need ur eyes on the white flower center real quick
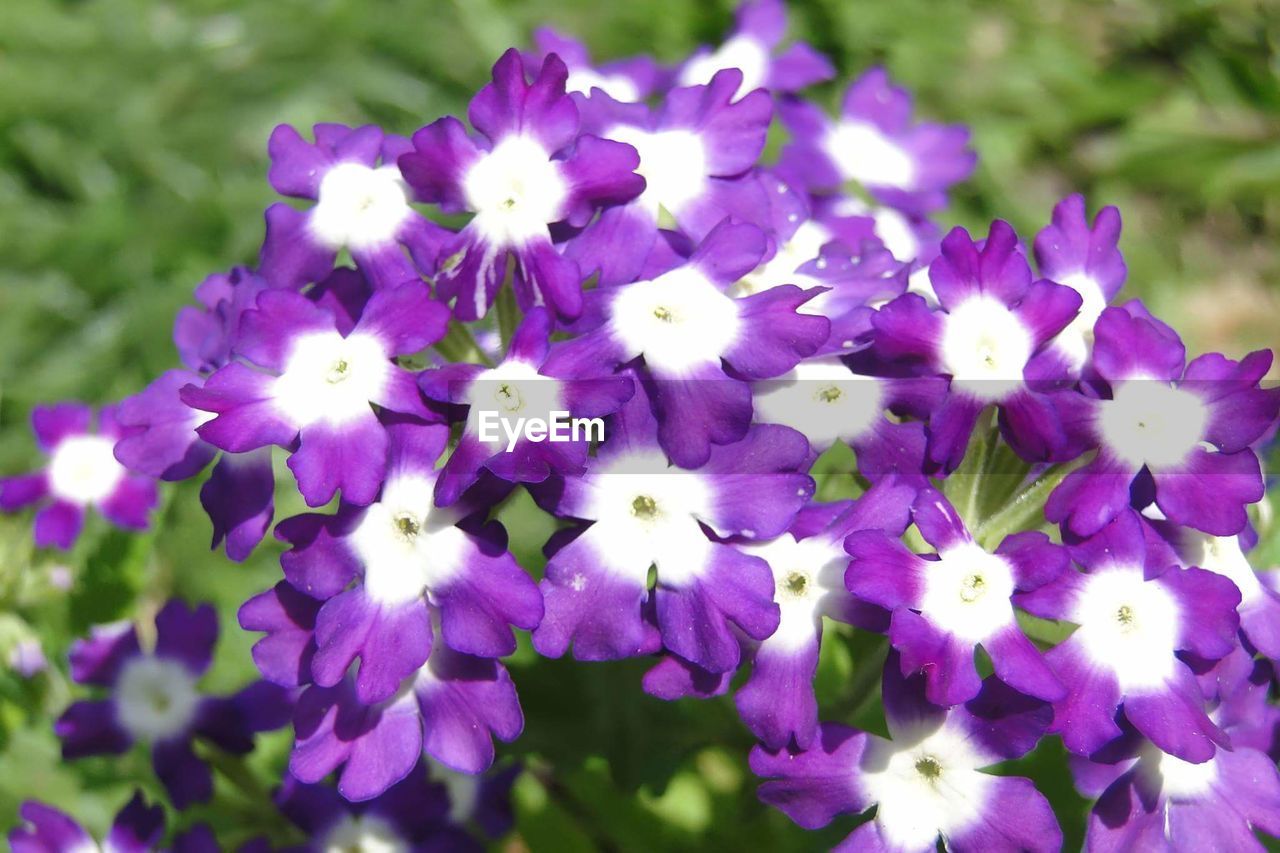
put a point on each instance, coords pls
(616, 86)
(405, 543)
(516, 190)
(678, 321)
(1223, 555)
(331, 378)
(155, 698)
(864, 154)
(806, 575)
(985, 348)
(1128, 626)
(84, 469)
(893, 228)
(741, 52)
(804, 246)
(359, 206)
(967, 593)
(513, 390)
(672, 162)
(365, 833)
(648, 514)
(1180, 780)
(925, 783)
(823, 399)
(1076, 340)
(463, 788)
(1153, 423)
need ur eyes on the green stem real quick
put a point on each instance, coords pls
(459, 346)
(508, 314)
(1026, 509)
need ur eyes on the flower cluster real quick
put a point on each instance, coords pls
(1026, 456)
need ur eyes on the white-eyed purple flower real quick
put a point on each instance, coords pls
(81, 472)
(412, 814)
(991, 323)
(317, 380)
(691, 333)
(759, 27)
(385, 570)
(137, 828)
(361, 205)
(947, 604)
(161, 440)
(697, 152)
(530, 169)
(927, 781)
(1153, 800)
(808, 563)
(1180, 433)
(1087, 259)
(625, 80)
(1136, 610)
(154, 698)
(643, 512)
(875, 143)
(450, 709)
(497, 398)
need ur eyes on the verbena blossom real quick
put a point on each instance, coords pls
(317, 377)
(162, 441)
(137, 828)
(690, 332)
(926, 781)
(531, 169)
(642, 511)
(731, 318)
(153, 697)
(1178, 433)
(82, 472)
(991, 324)
(947, 604)
(1136, 610)
(759, 26)
(362, 205)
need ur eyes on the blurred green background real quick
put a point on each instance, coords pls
(132, 164)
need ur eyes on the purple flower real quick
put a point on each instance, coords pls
(26, 657)
(411, 814)
(82, 472)
(991, 323)
(625, 80)
(1225, 555)
(1175, 433)
(759, 29)
(643, 512)
(687, 330)
(874, 142)
(154, 699)
(498, 397)
(137, 828)
(411, 561)
(1087, 259)
(808, 563)
(697, 152)
(316, 383)
(1158, 801)
(451, 709)
(161, 439)
(530, 170)
(1138, 615)
(361, 205)
(946, 605)
(927, 780)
